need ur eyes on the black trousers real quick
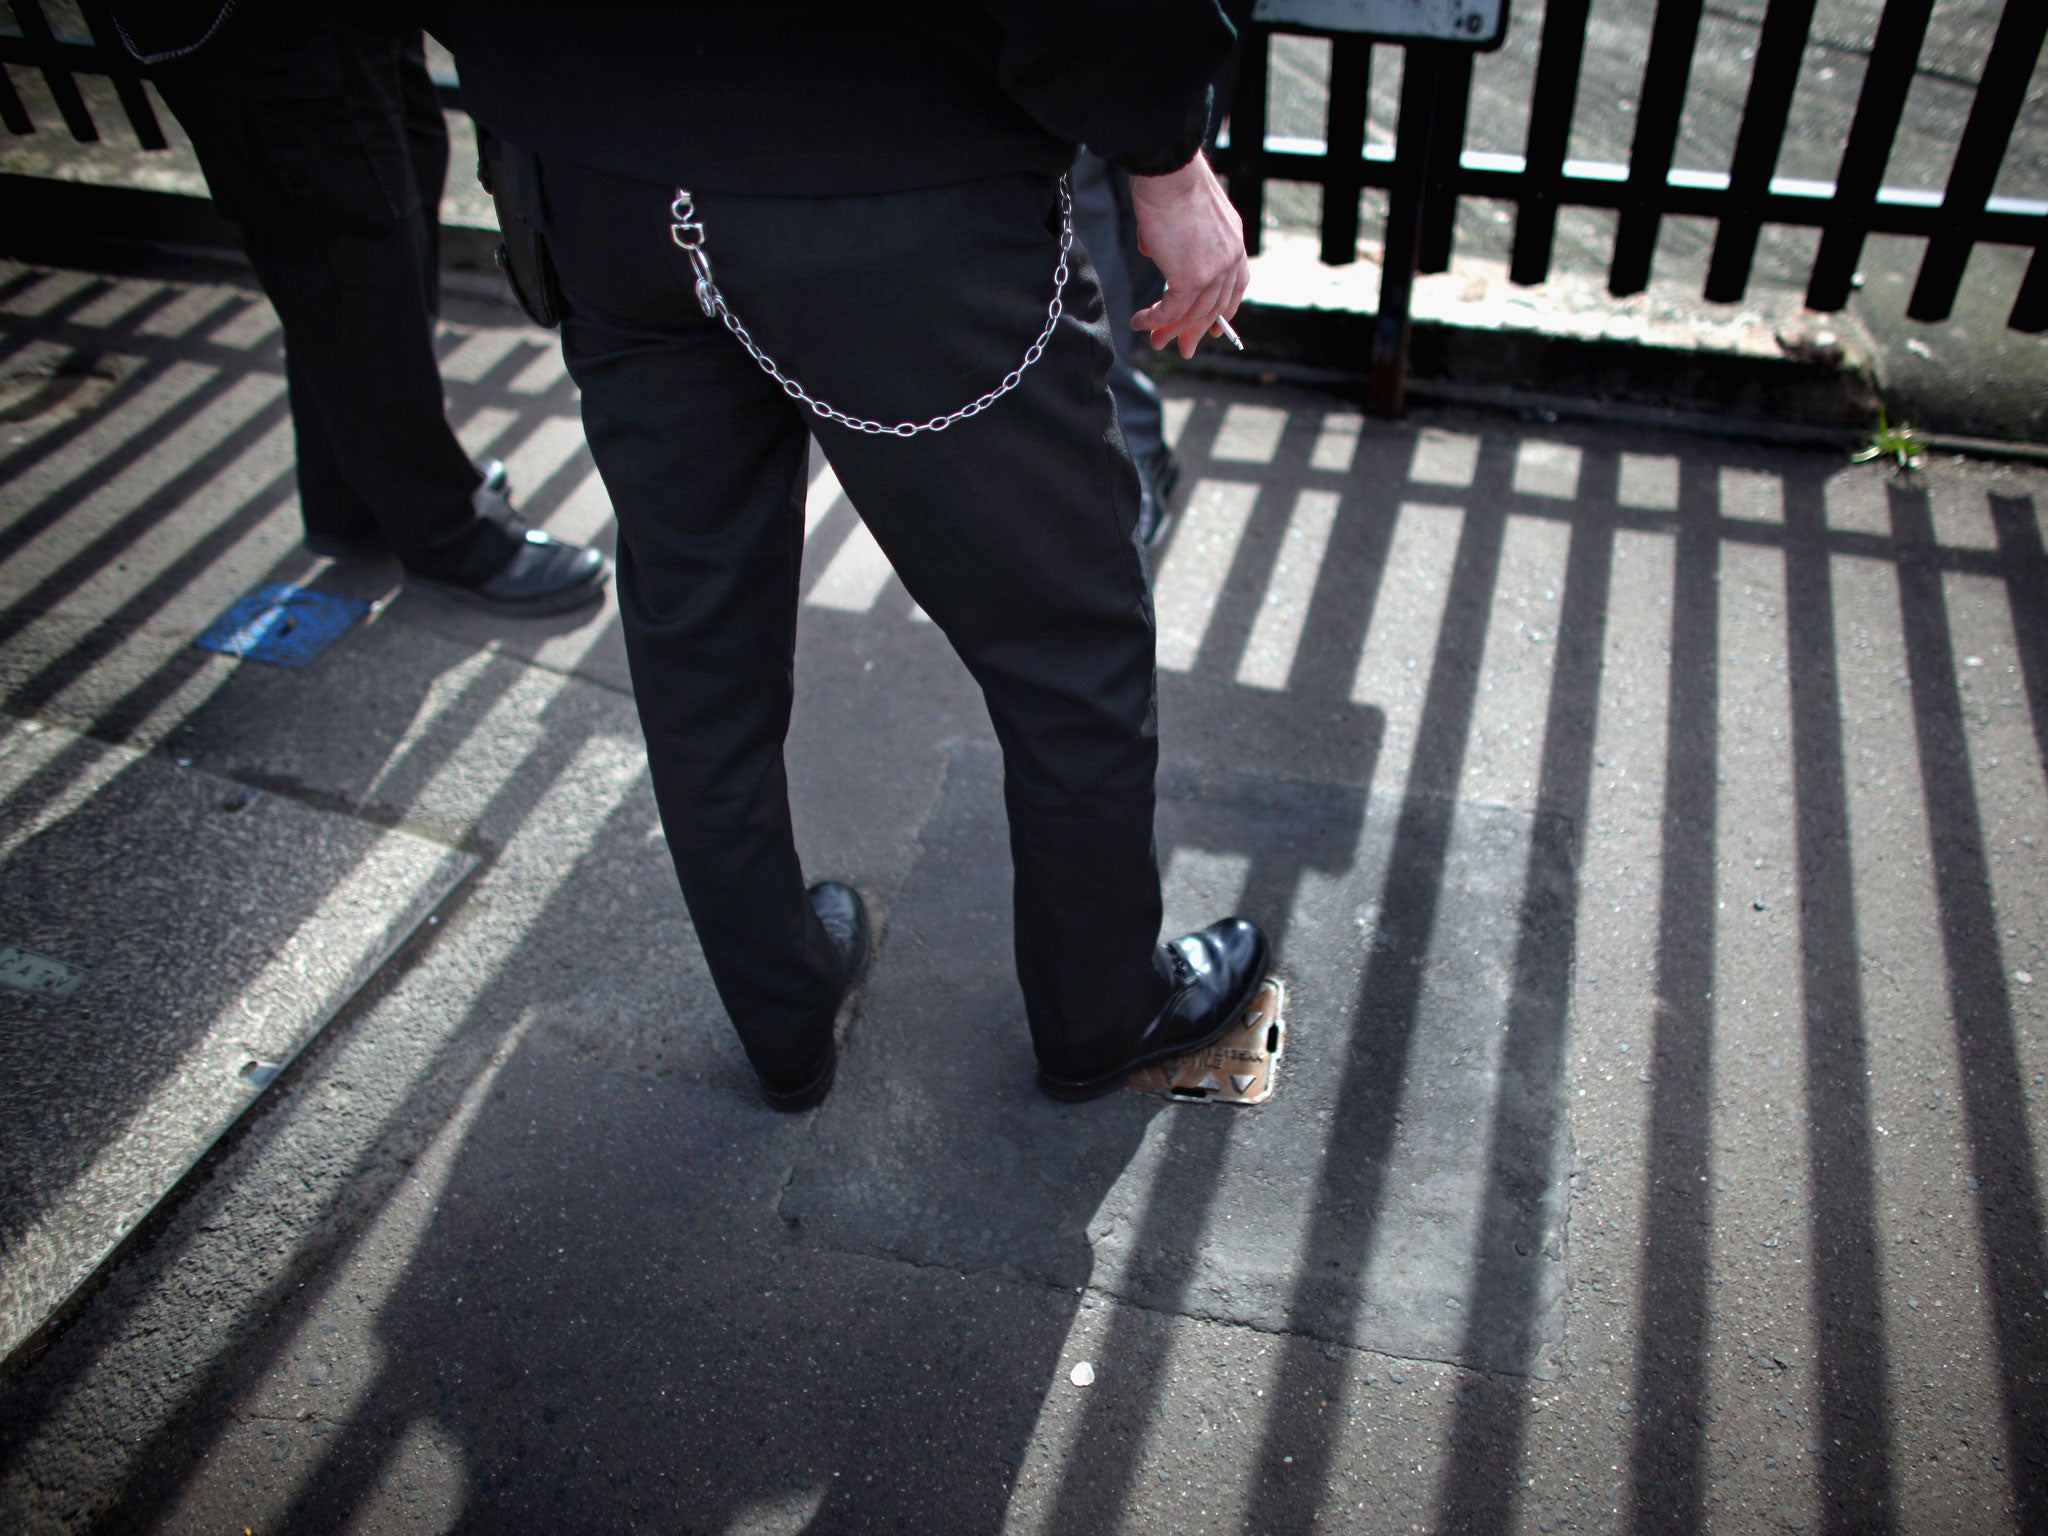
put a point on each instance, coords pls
(323, 141)
(1014, 530)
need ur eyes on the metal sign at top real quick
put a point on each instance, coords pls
(1474, 23)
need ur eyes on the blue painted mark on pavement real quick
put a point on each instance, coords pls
(286, 626)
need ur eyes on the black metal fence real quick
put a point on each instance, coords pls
(1430, 169)
(89, 47)
(65, 42)
(61, 59)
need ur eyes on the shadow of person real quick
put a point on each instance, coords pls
(606, 1321)
(936, 1147)
(620, 1296)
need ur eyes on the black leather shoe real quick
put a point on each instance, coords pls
(373, 545)
(543, 576)
(1215, 972)
(844, 917)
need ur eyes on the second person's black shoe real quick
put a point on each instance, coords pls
(1157, 475)
(543, 576)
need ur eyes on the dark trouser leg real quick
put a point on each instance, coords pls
(426, 142)
(305, 138)
(328, 502)
(365, 381)
(1013, 529)
(705, 464)
(1015, 532)
(1103, 219)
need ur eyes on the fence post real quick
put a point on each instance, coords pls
(35, 27)
(2030, 309)
(125, 73)
(1344, 138)
(1446, 144)
(1558, 63)
(12, 112)
(1880, 105)
(2001, 94)
(1780, 47)
(1421, 88)
(1243, 173)
(1659, 108)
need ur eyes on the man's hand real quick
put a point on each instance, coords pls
(1188, 228)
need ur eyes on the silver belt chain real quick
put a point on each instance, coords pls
(687, 230)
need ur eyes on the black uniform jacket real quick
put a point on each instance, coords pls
(812, 98)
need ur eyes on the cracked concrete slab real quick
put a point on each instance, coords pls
(498, 1299)
(262, 918)
(1360, 1205)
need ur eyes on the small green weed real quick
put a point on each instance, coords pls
(1903, 445)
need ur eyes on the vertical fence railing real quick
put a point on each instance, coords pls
(61, 61)
(1660, 106)
(1986, 137)
(1880, 108)
(40, 47)
(1743, 201)
(1765, 116)
(1551, 105)
(1421, 83)
(122, 69)
(1350, 103)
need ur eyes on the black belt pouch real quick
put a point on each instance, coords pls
(512, 177)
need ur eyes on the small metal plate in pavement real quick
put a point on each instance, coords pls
(1237, 1069)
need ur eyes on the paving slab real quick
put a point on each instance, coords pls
(580, 1306)
(210, 931)
(579, 1310)
(1745, 743)
(568, 934)
(1351, 1207)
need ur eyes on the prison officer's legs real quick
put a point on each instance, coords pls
(1014, 529)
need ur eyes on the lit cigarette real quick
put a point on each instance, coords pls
(1229, 335)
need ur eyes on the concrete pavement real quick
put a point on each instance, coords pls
(1650, 827)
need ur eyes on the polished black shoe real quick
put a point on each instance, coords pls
(844, 917)
(1215, 971)
(497, 481)
(543, 576)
